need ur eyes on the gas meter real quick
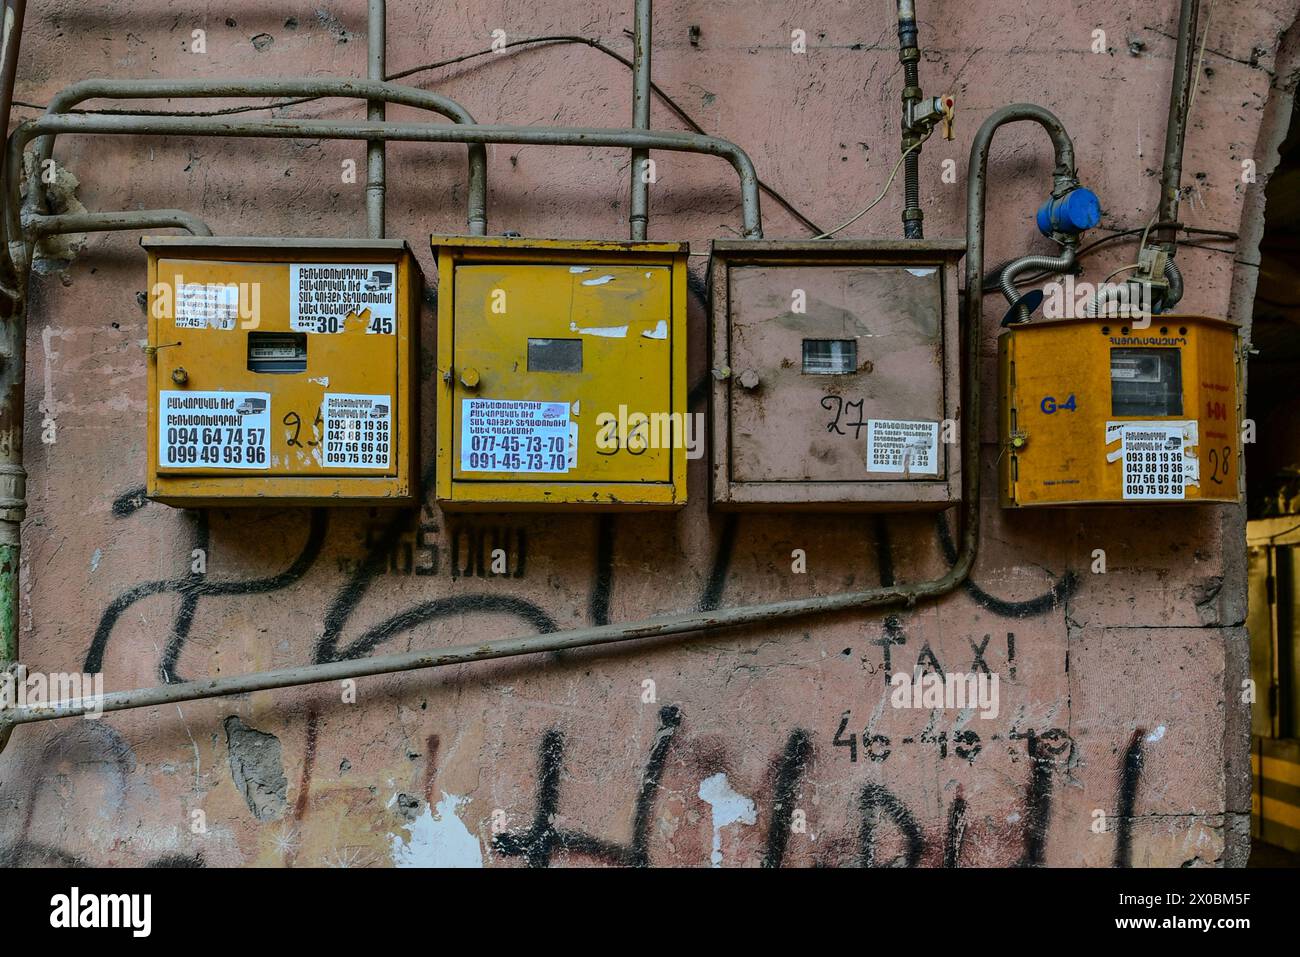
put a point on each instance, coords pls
(562, 367)
(1096, 411)
(836, 368)
(281, 371)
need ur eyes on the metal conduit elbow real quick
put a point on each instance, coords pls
(1057, 264)
(1175, 277)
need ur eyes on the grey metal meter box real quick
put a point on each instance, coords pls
(836, 368)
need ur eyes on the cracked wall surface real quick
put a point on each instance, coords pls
(1118, 739)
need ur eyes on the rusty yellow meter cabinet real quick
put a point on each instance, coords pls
(563, 374)
(281, 371)
(1097, 411)
(836, 368)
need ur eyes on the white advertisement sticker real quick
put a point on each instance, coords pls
(214, 430)
(901, 447)
(508, 435)
(1159, 457)
(206, 305)
(323, 295)
(358, 430)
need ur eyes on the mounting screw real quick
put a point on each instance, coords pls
(180, 376)
(469, 378)
(748, 379)
(1019, 440)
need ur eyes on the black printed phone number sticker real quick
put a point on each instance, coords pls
(358, 430)
(214, 430)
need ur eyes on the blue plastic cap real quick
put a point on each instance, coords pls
(1077, 210)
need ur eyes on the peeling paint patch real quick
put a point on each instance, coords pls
(922, 272)
(579, 269)
(598, 281)
(96, 558)
(609, 332)
(729, 808)
(1156, 735)
(438, 841)
(660, 331)
(321, 380)
(257, 768)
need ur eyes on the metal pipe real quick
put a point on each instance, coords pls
(1064, 179)
(37, 225)
(1057, 264)
(662, 626)
(13, 360)
(1099, 303)
(414, 132)
(1171, 171)
(375, 41)
(69, 97)
(639, 219)
(14, 13)
(909, 54)
(1174, 276)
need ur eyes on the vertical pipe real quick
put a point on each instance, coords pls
(639, 220)
(375, 39)
(14, 13)
(909, 54)
(1171, 172)
(13, 358)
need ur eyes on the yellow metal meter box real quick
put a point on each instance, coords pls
(563, 369)
(836, 374)
(281, 371)
(1097, 411)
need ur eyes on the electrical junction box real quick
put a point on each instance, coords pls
(1096, 411)
(836, 368)
(563, 370)
(281, 371)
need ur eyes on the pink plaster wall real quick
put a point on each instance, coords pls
(1145, 653)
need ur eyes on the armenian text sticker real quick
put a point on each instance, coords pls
(323, 295)
(214, 430)
(509, 435)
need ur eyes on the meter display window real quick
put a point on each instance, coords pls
(830, 356)
(554, 355)
(1146, 382)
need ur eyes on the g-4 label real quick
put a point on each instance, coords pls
(1049, 404)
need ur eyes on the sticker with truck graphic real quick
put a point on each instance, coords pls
(323, 295)
(358, 430)
(214, 430)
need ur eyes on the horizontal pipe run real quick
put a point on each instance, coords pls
(69, 97)
(410, 132)
(702, 621)
(38, 225)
